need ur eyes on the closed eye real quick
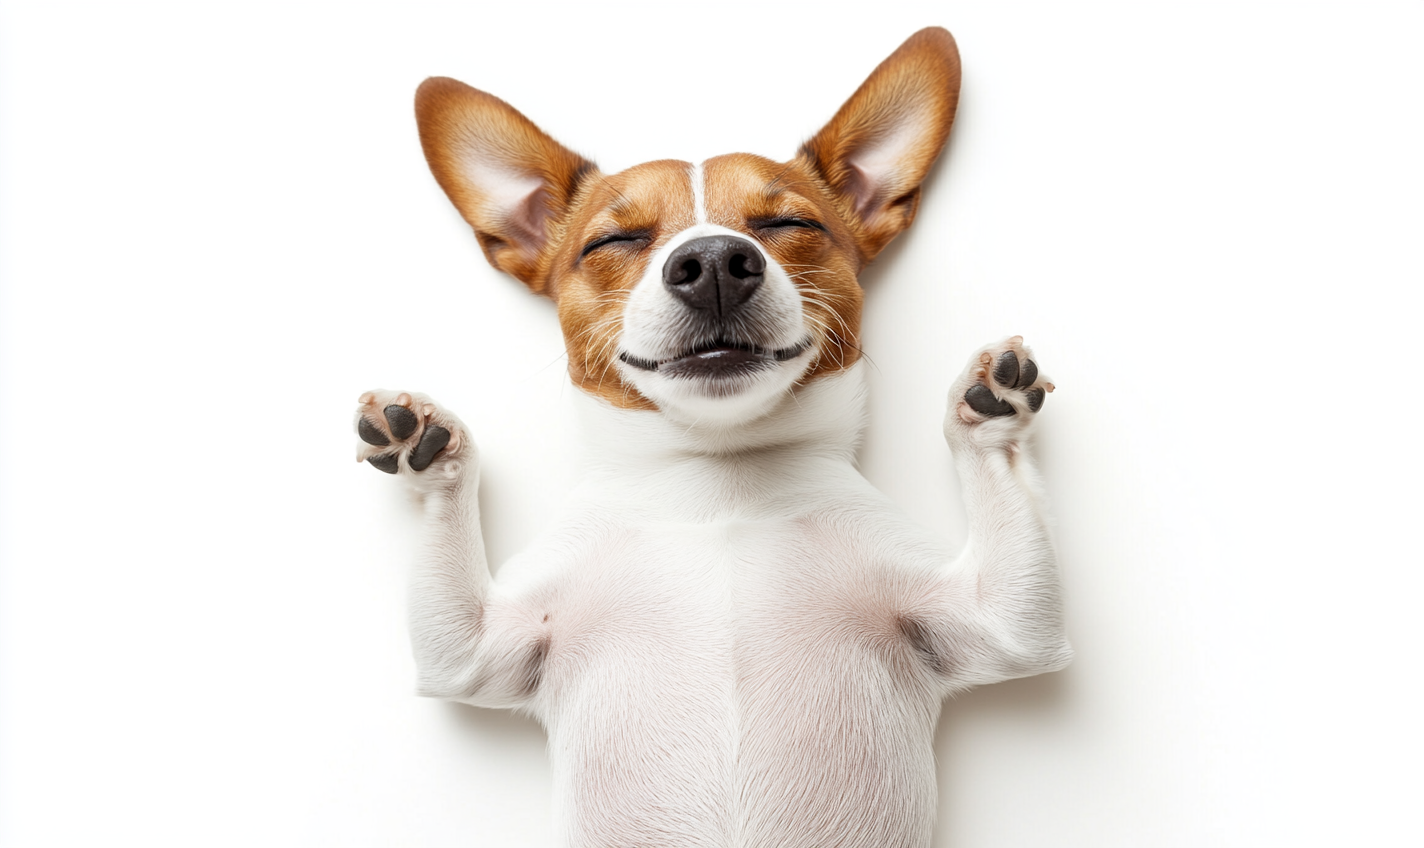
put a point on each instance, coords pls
(613, 238)
(780, 223)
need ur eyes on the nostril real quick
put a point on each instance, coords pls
(690, 270)
(744, 265)
(738, 267)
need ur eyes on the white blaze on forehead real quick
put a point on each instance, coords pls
(699, 193)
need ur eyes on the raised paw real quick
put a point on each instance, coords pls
(1001, 381)
(399, 431)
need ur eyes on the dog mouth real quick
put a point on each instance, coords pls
(718, 359)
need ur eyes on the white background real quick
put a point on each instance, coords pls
(216, 229)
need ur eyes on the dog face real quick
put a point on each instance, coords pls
(704, 290)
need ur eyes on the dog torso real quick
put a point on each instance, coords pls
(746, 614)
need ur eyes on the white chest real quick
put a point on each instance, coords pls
(699, 671)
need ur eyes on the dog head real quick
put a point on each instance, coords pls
(704, 290)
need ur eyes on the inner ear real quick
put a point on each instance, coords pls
(876, 151)
(512, 183)
(531, 215)
(875, 171)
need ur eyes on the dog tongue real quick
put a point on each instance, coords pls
(721, 362)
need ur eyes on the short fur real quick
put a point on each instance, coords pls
(731, 637)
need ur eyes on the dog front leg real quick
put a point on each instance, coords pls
(995, 613)
(470, 643)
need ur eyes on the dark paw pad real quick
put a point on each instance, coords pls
(982, 401)
(388, 463)
(1006, 370)
(432, 441)
(371, 434)
(1028, 376)
(1035, 398)
(403, 422)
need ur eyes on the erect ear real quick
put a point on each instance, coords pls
(877, 149)
(509, 180)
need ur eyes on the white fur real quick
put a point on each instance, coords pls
(731, 637)
(699, 193)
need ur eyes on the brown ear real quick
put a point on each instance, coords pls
(877, 149)
(509, 180)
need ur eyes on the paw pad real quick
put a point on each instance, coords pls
(402, 421)
(1002, 377)
(405, 426)
(389, 463)
(982, 401)
(432, 442)
(371, 434)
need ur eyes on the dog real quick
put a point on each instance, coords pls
(730, 636)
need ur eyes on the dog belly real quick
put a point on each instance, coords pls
(667, 756)
(637, 696)
(838, 712)
(651, 763)
(732, 697)
(835, 752)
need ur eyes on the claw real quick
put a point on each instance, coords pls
(366, 397)
(404, 400)
(1015, 341)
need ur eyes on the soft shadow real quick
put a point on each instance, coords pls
(502, 729)
(883, 265)
(1026, 701)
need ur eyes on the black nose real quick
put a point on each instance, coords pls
(715, 273)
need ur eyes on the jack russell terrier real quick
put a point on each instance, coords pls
(730, 636)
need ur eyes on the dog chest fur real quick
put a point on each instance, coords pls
(747, 614)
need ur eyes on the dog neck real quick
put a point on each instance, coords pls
(823, 418)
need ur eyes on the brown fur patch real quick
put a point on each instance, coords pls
(461, 126)
(653, 202)
(745, 191)
(916, 87)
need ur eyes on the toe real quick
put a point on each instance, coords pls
(402, 421)
(982, 401)
(388, 462)
(370, 433)
(432, 441)
(1028, 375)
(1006, 370)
